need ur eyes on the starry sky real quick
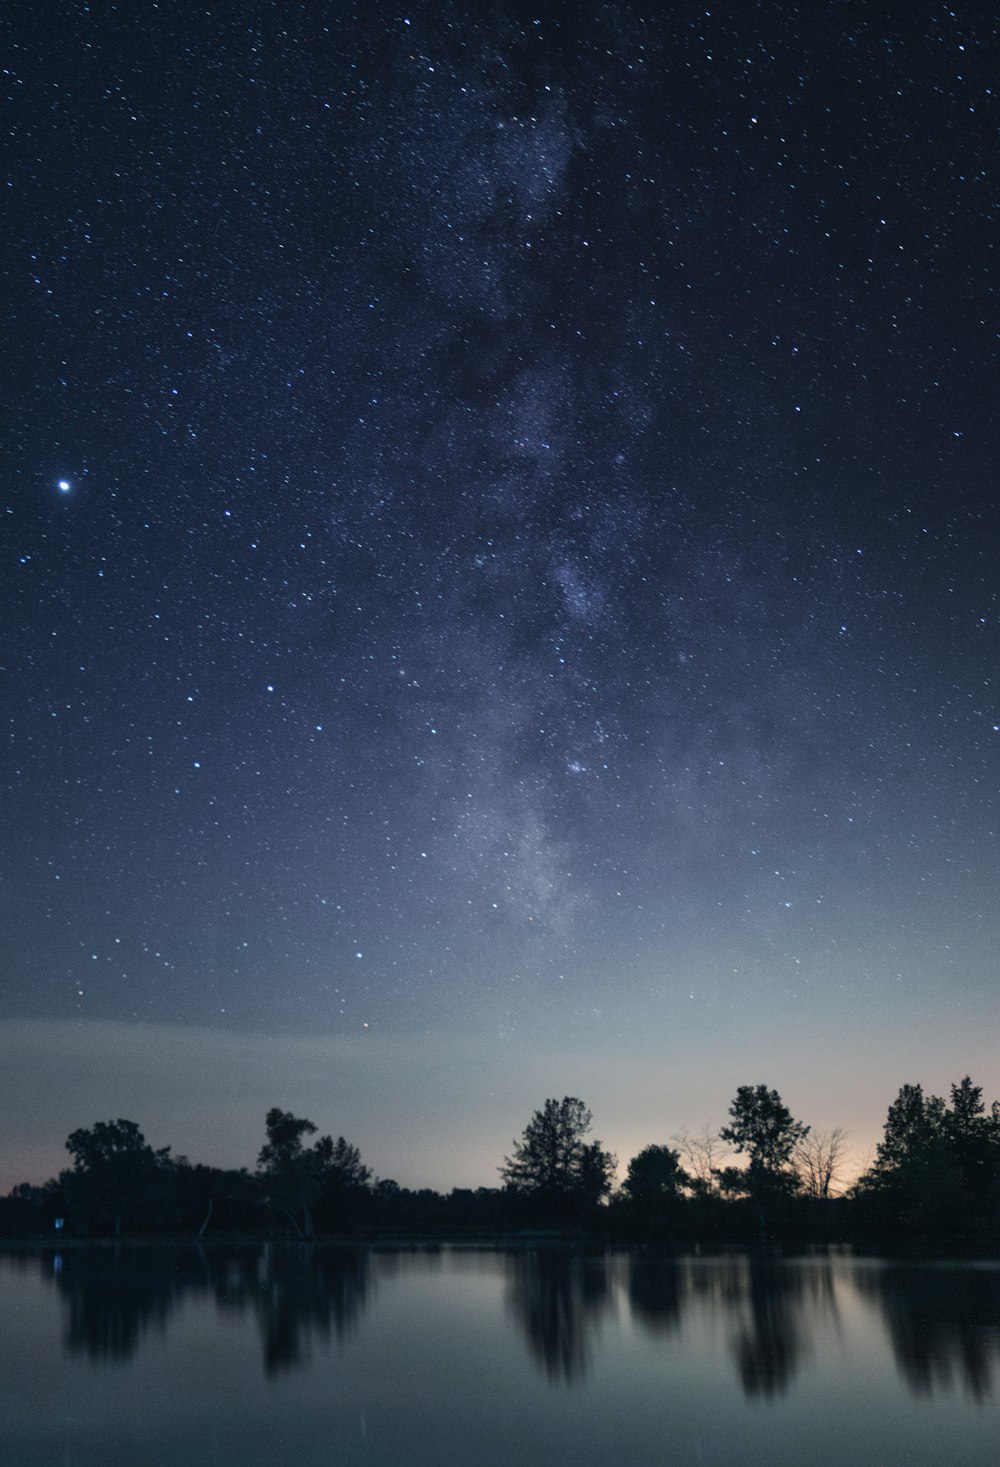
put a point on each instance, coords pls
(499, 568)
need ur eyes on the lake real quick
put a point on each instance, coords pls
(147, 1356)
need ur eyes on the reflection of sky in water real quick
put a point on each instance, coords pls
(539, 1356)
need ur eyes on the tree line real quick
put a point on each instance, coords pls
(934, 1178)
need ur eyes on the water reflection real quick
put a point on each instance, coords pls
(769, 1343)
(557, 1297)
(298, 1294)
(654, 1293)
(941, 1324)
(944, 1324)
(115, 1296)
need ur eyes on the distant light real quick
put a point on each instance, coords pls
(64, 486)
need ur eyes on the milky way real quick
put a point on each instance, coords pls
(499, 519)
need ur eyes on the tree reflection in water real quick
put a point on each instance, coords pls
(768, 1346)
(654, 1292)
(558, 1297)
(773, 1305)
(944, 1324)
(114, 1298)
(115, 1295)
(300, 1293)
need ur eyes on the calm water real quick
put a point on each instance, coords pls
(148, 1356)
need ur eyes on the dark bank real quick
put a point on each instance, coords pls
(765, 1178)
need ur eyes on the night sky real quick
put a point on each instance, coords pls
(500, 566)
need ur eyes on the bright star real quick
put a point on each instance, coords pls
(64, 486)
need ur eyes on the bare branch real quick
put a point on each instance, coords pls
(703, 1153)
(818, 1159)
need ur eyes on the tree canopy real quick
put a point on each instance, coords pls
(553, 1161)
(655, 1175)
(116, 1177)
(763, 1127)
(765, 1131)
(937, 1167)
(297, 1178)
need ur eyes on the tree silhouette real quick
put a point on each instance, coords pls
(297, 1177)
(913, 1183)
(344, 1181)
(701, 1153)
(818, 1158)
(552, 1162)
(914, 1125)
(974, 1142)
(289, 1171)
(936, 1169)
(655, 1175)
(650, 1199)
(764, 1129)
(116, 1177)
(340, 1164)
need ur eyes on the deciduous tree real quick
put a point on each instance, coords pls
(655, 1175)
(295, 1176)
(936, 1168)
(287, 1169)
(817, 1158)
(765, 1131)
(117, 1179)
(702, 1154)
